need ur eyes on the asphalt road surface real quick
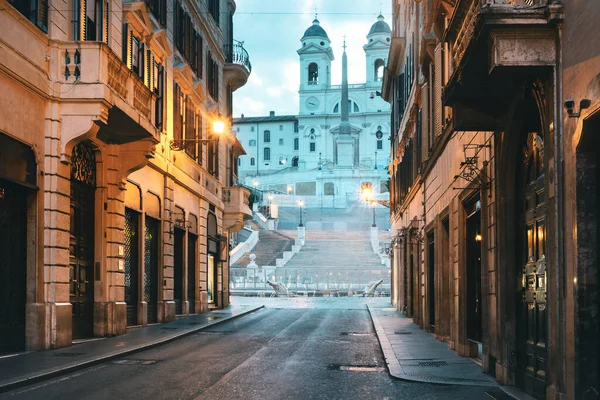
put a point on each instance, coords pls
(274, 353)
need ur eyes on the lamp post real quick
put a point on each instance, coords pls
(270, 200)
(375, 159)
(373, 205)
(300, 205)
(319, 161)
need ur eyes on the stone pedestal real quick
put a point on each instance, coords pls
(301, 235)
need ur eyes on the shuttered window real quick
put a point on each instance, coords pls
(187, 39)
(437, 91)
(190, 129)
(35, 11)
(177, 106)
(159, 90)
(212, 77)
(91, 20)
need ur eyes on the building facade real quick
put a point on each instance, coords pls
(117, 196)
(291, 150)
(493, 194)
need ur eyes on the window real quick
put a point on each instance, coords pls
(380, 145)
(296, 126)
(213, 155)
(356, 109)
(280, 127)
(296, 144)
(252, 143)
(136, 54)
(159, 10)
(336, 109)
(313, 146)
(252, 161)
(378, 70)
(213, 77)
(213, 9)
(189, 127)
(267, 154)
(295, 162)
(90, 20)
(313, 74)
(36, 11)
(159, 90)
(267, 137)
(251, 129)
(239, 162)
(281, 141)
(282, 160)
(187, 40)
(177, 106)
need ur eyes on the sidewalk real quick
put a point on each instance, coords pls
(414, 355)
(26, 368)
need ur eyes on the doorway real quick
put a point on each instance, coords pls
(191, 272)
(431, 279)
(151, 268)
(13, 262)
(132, 261)
(587, 370)
(178, 271)
(473, 274)
(81, 240)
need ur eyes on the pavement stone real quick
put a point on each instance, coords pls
(26, 368)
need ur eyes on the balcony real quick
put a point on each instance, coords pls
(493, 43)
(95, 82)
(237, 207)
(237, 66)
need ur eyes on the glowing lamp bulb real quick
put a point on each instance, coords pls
(218, 126)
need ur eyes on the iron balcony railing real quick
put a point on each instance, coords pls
(236, 54)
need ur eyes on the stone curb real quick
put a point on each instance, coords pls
(395, 369)
(111, 356)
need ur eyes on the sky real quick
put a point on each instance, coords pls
(271, 32)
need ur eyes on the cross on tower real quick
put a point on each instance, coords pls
(316, 12)
(344, 43)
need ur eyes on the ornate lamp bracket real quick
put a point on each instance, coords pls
(476, 177)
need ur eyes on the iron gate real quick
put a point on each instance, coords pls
(13, 263)
(178, 272)
(132, 260)
(191, 282)
(81, 241)
(151, 269)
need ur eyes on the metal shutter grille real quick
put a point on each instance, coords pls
(82, 18)
(424, 122)
(105, 21)
(437, 92)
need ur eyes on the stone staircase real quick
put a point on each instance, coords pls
(270, 247)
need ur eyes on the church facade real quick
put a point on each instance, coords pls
(310, 153)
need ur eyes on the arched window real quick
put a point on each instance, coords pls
(252, 143)
(295, 162)
(356, 109)
(296, 144)
(336, 109)
(378, 70)
(313, 74)
(252, 161)
(267, 137)
(267, 154)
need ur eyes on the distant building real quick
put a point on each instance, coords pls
(311, 151)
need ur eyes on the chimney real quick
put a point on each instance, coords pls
(271, 113)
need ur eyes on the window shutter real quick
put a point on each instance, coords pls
(129, 48)
(42, 14)
(142, 61)
(424, 122)
(105, 21)
(176, 113)
(82, 18)
(149, 70)
(437, 92)
(201, 136)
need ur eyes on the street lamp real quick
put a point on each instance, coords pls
(289, 189)
(218, 128)
(255, 183)
(367, 193)
(373, 205)
(270, 200)
(300, 205)
(375, 159)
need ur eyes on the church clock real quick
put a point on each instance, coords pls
(312, 103)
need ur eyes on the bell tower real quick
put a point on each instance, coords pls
(316, 56)
(377, 50)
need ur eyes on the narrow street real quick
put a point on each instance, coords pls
(289, 350)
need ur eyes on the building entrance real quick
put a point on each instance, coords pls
(13, 266)
(151, 268)
(473, 273)
(191, 272)
(132, 261)
(81, 242)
